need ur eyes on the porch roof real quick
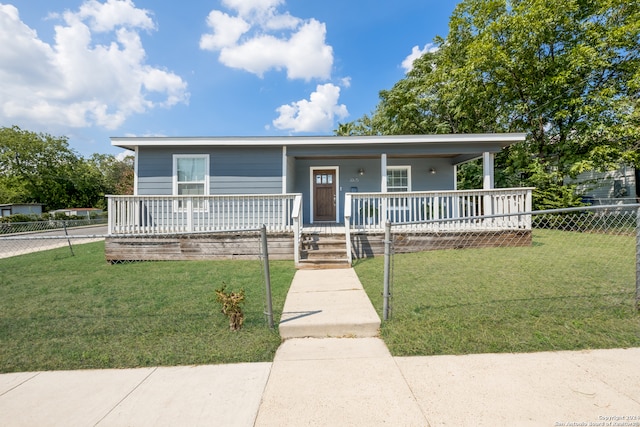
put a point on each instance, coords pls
(486, 140)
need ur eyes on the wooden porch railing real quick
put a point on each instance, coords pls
(440, 210)
(184, 214)
(296, 215)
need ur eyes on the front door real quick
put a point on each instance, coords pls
(324, 195)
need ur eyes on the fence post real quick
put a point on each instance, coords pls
(64, 225)
(638, 259)
(387, 268)
(267, 275)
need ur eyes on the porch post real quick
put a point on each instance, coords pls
(135, 171)
(488, 182)
(488, 160)
(110, 215)
(383, 173)
(284, 170)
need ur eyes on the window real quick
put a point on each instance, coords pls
(190, 174)
(398, 179)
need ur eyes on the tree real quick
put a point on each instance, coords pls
(39, 164)
(566, 72)
(116, 174)
(559, 70)
(40, 168)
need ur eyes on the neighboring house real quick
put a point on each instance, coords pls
(186, 184)
(20, 208)
(82, 212)
(614, 186)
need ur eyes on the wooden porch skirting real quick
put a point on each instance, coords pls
(371, 245)
(185, 247)
(280, 245)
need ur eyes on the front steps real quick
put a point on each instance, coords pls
(323, 251)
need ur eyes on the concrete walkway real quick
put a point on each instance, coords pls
(338, 381)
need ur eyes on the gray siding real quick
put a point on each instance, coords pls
(245, 185)
(351, 181)
(607, 185)
(242, 170)
(155, 186)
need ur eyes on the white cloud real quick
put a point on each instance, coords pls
(260, 39)
(317, 114)
(416, 53)
(76, 82)
(247, 7)
(113, 14)
(226, 31)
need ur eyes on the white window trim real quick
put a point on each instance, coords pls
(175, 172)
(408, 169)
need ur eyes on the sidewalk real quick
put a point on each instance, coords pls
(330, 381)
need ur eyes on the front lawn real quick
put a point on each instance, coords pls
(59, 311)
(567, 291)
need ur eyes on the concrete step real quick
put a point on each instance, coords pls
(323, 254)
(320, 263)
(328, 303)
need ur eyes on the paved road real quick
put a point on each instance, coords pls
(23, 243)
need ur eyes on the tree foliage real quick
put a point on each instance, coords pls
(40, 168)
(566, 72)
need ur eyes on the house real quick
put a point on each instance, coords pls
(200, 184)
(20, 208)
(611, 187)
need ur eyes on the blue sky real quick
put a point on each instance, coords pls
(91, 69)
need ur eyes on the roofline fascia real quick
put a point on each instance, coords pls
(503, 139)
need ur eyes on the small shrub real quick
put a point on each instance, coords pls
(231, 306)
(21, 218)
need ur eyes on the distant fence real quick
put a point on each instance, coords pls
(7, 228)
(590, 253)
(18, 238)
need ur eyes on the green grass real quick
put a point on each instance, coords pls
(59, 311)
(567, 291)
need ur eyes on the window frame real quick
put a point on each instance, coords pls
(399, 168)
(205, 181)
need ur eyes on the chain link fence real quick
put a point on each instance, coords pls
(10, 228)
(591, 252)
(29, 237)
(570, 282)
(19, 238)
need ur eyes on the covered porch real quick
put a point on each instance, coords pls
(327, 172)
(132, 218)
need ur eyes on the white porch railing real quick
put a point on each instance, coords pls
(184, 214)
(296, 215)
(440, 210)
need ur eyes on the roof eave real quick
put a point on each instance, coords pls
(503, 139)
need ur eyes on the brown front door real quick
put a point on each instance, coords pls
(324, 195)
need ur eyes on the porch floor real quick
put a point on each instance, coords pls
(324, 228)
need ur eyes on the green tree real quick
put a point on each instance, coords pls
(117, 174)
(40, 168)
(39, 164)
(566, 72)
